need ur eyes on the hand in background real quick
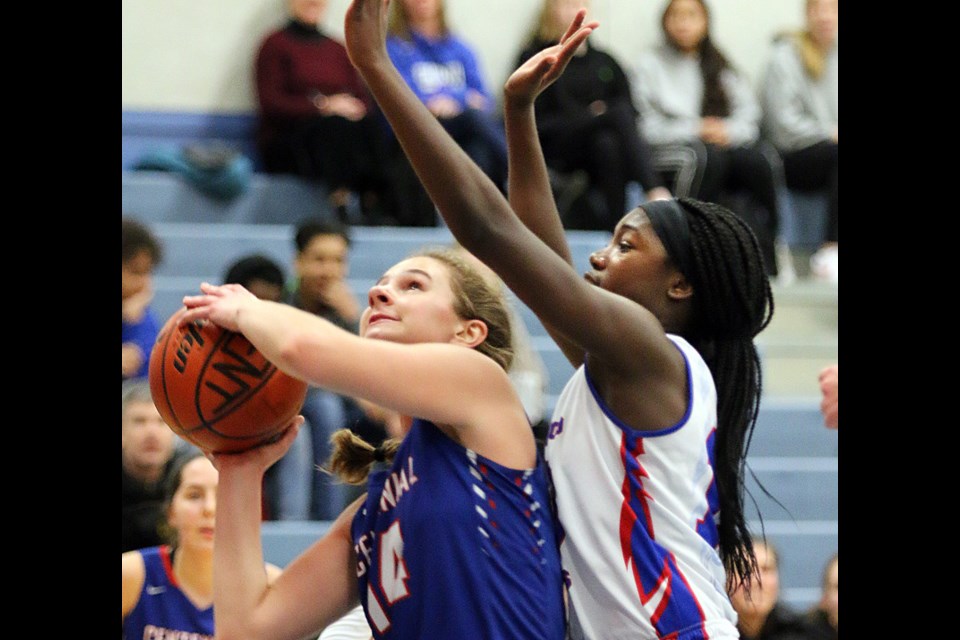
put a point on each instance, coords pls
(342, 104)
(131, 359)
(443, 106)
(830, 390)
(476, 100)
(713, 130)
(339, 296)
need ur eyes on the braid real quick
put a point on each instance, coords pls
(733, 303)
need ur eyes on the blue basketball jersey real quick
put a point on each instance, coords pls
(453, 545)
(163, 611)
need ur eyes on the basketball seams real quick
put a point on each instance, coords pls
(267, 396)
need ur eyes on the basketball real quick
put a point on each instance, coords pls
(213, 388)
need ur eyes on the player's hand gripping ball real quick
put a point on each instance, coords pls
(213, 388)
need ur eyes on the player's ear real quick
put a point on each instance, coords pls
(680, 288)
(471, 332)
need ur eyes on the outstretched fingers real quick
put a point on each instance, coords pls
(569, 46)
(575, 25)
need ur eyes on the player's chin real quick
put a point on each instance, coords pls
(379, 330)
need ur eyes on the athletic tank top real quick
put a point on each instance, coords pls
(163, 610)
(638, 514)
(453, 545)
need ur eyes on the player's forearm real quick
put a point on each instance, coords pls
(239, 576)
(531, 196)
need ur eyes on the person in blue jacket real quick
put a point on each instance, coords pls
(140, 253)
(444, 72)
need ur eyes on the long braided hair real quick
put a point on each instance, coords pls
(732, 303)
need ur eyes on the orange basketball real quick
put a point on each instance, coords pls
(213, 388)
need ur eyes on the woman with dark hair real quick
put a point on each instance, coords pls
(690, 95)
(648, 442)
(169, 588)
(316, 118)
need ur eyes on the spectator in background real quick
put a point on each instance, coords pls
(260, 275)
(140, 253)
(288, 484)
(149, 451)
(760, 613)
(444, 72)
(166, 590)
(800, 94)
(587, 121)
(316, 118)
(689, 94)
(825, 616)
(830, 395)
(321, 265)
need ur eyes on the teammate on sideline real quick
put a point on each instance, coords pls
(167, 589)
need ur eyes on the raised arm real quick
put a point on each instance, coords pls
(531, 196)
(474, 209)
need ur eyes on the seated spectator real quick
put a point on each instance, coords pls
(149, 451)
(260, 275)
(800, 93)
(316, 118)
(586, 120)
(690, 95)
(140, 253)
(321, 265)
(760, 613)
(288, 484)
(166, 590)
(444, 72)
(825, 616)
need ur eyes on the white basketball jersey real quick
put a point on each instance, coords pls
(638, 513)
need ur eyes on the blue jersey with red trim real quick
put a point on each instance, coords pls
(453, 545)
(163, 610)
